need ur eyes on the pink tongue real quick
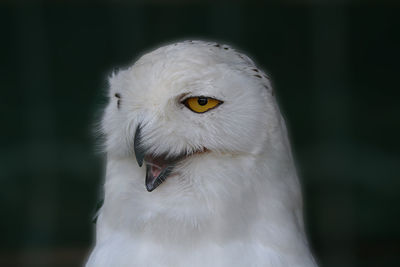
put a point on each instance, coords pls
(157, 164)
(155, 171)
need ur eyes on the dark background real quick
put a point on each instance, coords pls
(336, 72)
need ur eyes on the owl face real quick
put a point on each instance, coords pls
(186, 99)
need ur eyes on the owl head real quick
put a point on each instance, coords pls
(186, 101)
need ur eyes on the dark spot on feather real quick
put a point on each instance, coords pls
(258, 76)
(272, 91)
(256, 70)
(226, 48)
(217, 45)
(117, 95)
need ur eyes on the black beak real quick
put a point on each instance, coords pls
(139, 150)
(152, 181)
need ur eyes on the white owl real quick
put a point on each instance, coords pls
(199, 168)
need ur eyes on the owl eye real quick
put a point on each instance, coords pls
(201, 104)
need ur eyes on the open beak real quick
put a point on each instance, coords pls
(158, 168)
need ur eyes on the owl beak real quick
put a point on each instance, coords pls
(162, 173)
(157, 168)
(139, 150)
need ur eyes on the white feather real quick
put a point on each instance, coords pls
(239, 204)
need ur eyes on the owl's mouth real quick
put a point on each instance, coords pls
(158, 167)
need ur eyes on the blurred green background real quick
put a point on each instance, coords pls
(336, 69)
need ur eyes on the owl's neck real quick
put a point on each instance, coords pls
(222, 206)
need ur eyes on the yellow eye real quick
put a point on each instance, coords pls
(201, 104)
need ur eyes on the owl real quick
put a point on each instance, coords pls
(199, 168)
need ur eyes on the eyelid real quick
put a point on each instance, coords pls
(188, 96)
(183, 97)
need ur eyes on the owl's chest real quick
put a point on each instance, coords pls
(125, 252)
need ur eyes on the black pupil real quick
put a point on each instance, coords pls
(202, 101)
